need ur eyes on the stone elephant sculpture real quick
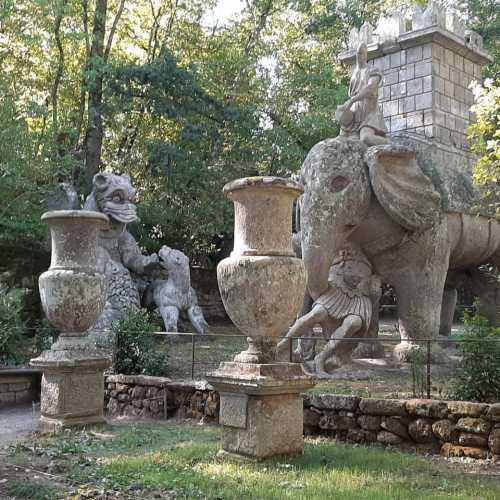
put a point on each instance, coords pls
(380, 199)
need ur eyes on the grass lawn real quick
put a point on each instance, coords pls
(179, 460)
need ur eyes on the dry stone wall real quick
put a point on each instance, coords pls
(17, 388)
(453, 428)
(158, 397)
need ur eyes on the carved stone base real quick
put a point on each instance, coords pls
(261, 408)
(72, 388)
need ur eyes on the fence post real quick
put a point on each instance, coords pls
(428, 369)
(192, 356)
(290, 350)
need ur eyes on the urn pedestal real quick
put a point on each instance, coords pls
(262, 286)
(72, 292)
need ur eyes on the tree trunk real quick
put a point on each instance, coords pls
(94, 135)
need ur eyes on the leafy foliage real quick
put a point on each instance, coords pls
(137, 351)
(485, 136)
(478, 376)
(12, 326)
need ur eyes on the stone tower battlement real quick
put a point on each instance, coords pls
(428, 63)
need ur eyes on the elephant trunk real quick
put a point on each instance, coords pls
(317, 261)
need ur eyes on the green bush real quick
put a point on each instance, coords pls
(12, 326)
(137, 351)
(477, 378)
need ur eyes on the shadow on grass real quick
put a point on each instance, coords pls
(183, 459)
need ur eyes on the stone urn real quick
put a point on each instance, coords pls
(73, 296)
(262, 283)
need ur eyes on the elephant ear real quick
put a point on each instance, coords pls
(401, 187)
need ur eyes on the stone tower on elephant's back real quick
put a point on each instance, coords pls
(428, 60)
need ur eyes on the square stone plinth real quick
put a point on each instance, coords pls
(261, 408)
(72, 392)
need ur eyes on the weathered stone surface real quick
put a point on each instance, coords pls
(475, 440)
(311, 417)
(334, 402)
(420, 430)
(21, 386)
(122, 397)
(494, 441)
(7, 397)
(493, 413)
(386, 437)
(474, 425)
(113, 408)
(175, 295)
(361, 436)
(396, 425)
(427, 408)
(467, 409)
(451, 450)
(385, 407)
(333, 421)
(137, 403)
(121, 388)
(138, 392)
(369, 422)
(445, 430)
(120, 381)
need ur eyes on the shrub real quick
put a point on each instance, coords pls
(137, 351)
(12, 326)
(477, 378)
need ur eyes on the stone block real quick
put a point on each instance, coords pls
(113, 408)
(439, 85)
(450, 121)
(439, 118)
(7, 397)
(369, 422)
(399, 90)
(448, 87)
(428, 116)
(415, 119)
(467, 409)
(335, 402)
(386, 437)
(22, 386)
(413, 86)
(121, 387)
(361, 436)
(233, 410)
(138, 392)
(384, 407)
(391, 78)
(459, 93)
(473, 425)
(311, 417)
(493, 412)
(469, 67)
(446, 103)
(445, 431)
(396, 425)
(427, 50)
(420, 430)
(390, 108)
(427, 83)
(451, 450)
(333, 421)
(494, 441)
(414, 54)
(423, 68)
(24, 396)
(407, 73)
(423, 101)
(398, 123)
(274, 427)
(449, 57)
(444, 71)
(476, 440)
(137, 403)
(395, 60)
(406, 105)
(459, 62)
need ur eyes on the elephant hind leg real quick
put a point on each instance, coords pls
(448, 311)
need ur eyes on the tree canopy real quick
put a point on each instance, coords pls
(154, 89)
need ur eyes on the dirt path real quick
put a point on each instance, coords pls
(17, 422)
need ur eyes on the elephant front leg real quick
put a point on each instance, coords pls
(448, 311)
